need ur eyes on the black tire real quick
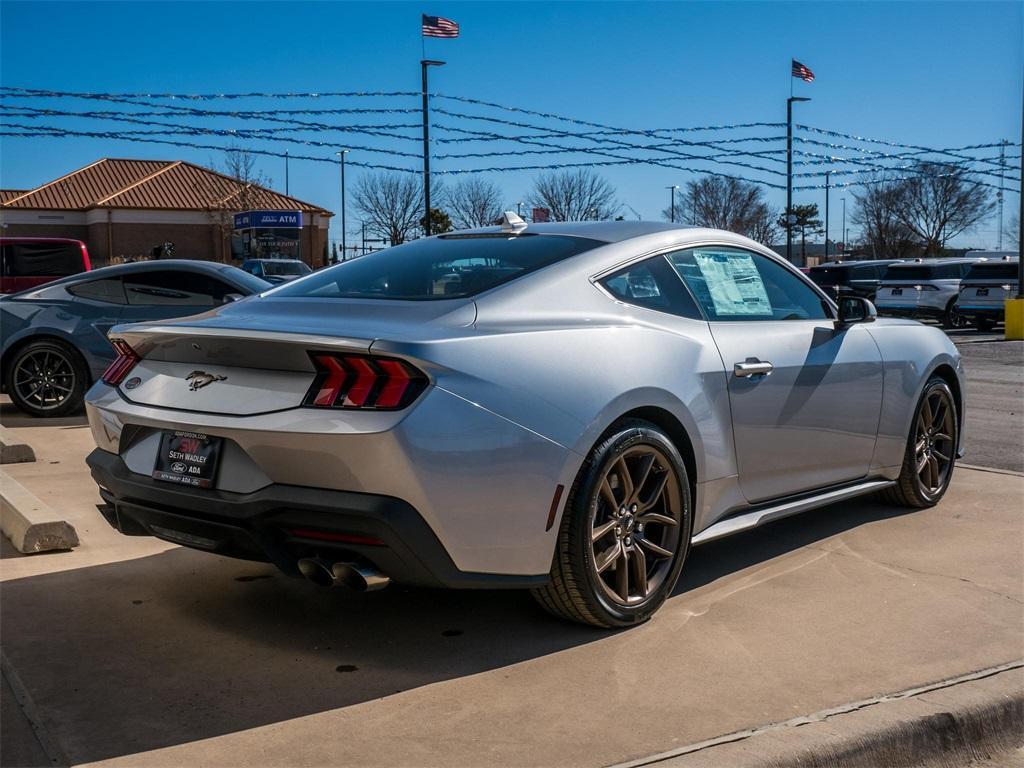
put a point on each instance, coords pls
(59, 371)
(576, 590)
(952, 319)
(910, 490)
(984, 324)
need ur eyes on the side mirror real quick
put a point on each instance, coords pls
(230, 297)
(855, 309)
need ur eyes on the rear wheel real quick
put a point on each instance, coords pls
(46, 378)
(931, 449)
(952, 318)
(625, 532)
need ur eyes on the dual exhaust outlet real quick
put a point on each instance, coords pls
(357, 576)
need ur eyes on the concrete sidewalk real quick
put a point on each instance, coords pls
(134, 652)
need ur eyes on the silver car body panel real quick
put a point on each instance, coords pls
(524, 379)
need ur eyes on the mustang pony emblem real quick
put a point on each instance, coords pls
(200, 379)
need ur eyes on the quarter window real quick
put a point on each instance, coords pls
(731, 284)
(652, 284)
(108, 290)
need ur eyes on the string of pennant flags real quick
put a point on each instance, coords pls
(477, 130)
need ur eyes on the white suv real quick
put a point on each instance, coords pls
(924, 289)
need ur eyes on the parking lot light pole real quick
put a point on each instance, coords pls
(424, 63)
(672, 205)
(843, 231)
(790, 218)
(827, 174)
(341, 156)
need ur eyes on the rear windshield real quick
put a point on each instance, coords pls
(251, 282)
(923, 272)
(444, 267)
(830, 275)
(41, 259)
(1004, 270)
(282, 268)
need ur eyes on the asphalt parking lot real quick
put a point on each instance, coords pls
(130, 651)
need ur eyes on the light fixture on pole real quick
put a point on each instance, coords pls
(790, 217)
(672, 208)
(424, 63)
(341, 158)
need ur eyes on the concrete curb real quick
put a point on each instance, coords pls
(29, 523)
(12, 451)
(952, 722)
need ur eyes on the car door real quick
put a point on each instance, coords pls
(158, 294)
(805, 396)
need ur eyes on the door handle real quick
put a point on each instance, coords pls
(752, 367)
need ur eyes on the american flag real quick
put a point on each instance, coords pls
(803, 72)
(438, 26)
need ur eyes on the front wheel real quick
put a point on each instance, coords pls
(625, 531)
(931, 449)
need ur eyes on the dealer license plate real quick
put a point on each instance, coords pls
(187, 458)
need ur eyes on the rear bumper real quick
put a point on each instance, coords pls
(914, 312)
(975, 312)
(255, 526)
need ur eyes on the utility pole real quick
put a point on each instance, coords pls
(341, 156)
(519, 210)
(999, 196)
(286, 171)
(790, 218)
(827, 174)
(672, 209)
(845, 244)
(424, 63)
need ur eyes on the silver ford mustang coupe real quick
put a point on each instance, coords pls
(560, 407)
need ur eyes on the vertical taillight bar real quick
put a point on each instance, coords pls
(123, 363)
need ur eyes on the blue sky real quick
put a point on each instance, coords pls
(940, 74)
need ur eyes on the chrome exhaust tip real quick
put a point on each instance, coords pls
(356, 576)
(317, 571)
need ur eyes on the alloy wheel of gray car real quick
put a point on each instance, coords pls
(625, 531)
(46, 378)
(931, 449)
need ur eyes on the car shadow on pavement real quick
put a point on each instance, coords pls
(172, 648)
(12, 416)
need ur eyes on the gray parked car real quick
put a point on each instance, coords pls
(561, 407)
(55, 336)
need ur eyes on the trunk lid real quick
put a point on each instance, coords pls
(252, 356)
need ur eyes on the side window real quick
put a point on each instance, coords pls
(162, 288)
(865, 272)
(964, 269)
(108, 290)
(652, 284)
(731, 284)
(44, 259)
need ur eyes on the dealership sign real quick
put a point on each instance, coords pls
(286, 219)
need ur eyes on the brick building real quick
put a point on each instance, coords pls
(123, 208)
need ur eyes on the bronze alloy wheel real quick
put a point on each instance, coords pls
(44, 379)
(934, 443)
(634, 524)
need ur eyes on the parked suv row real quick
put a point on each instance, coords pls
(984, 289)
(851, 278)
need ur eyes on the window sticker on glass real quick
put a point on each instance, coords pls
(734, 283)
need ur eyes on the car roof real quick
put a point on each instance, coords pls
(604, 231)
(114, 270)
(858, 262)
(40, 240)
(937, 262)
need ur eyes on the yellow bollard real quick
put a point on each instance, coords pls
(1014, 319)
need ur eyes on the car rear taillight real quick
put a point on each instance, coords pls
(124, 362)
(363, 382)
(926, 288)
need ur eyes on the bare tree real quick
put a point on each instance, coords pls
(236, 185)
(390, 202)
(1012, 232)
(577, 195)
(875, 210)
(724, 202)
(473, 202)
(939, 202)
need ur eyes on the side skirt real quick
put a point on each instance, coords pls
(777, 510)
